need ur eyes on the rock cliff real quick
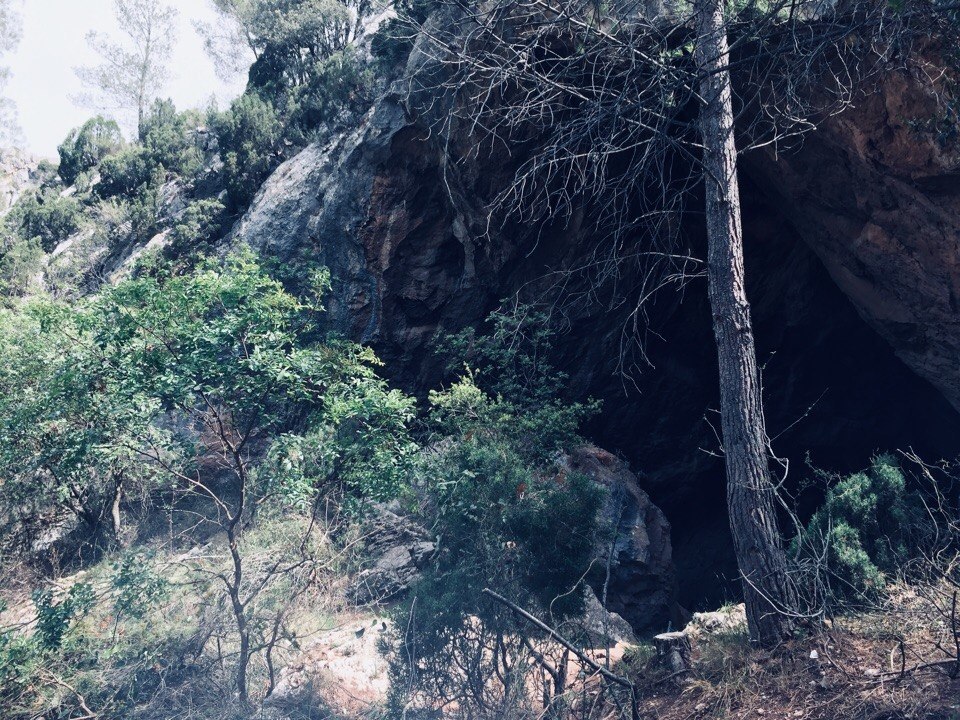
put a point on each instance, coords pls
(851, 244)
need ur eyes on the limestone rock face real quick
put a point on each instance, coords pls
(19, 172)
(852, 271)
(399, 549)
(642, 584)
(341, 673)
(876, 194)
(598, 627)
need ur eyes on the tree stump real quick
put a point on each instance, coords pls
(673, 650)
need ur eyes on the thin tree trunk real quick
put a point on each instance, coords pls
(751, 500)
(115, 510)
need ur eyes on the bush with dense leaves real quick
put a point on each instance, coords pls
(334, 83)
(126, 172)
(20, 262)
(869, 528)
(394, 39)
(85, 147)
(195, 230)
(505, 516)
(167, 137)
(250, 135)
(47, 216)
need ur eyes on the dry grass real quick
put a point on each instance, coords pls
(851, 670)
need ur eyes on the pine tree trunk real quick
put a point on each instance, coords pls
(751, 497)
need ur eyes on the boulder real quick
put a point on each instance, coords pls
(726, 620)
(340, 674)
(397, 549)
(638, 578)
(598, 627)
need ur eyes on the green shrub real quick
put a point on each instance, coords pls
(334, 83)
(85, 147)
(505, 518)
(53, 619)
(126, 172)
(250, 136)
(292, 35)
(394, 39)
(19, 263)
(870, 526)
(48, 217)
(201, 223)
(19, 660)
(166, 137)
(138, 588)
(512, 362)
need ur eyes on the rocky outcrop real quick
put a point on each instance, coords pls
(636, 576)
(19, 172)
(851, 264)
(340, 674)
(638, 580)
(397, 549)
(876, 194)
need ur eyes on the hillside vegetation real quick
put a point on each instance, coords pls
(214, 503)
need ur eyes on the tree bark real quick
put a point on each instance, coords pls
(115, 515)
(674, 651)
(768, 593)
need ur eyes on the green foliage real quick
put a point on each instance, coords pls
(306, 73)
(360, 444)
(85, 147)
(505, 517)
(166, 148)
(125, 172)
(230, 337)
(869, 527)
(332, 84)
(18, 664)
(46, 216)
(492, 487)
(53, 619)
(250, 136)
(65, 432)
(20, 261)
(165, 135)
(394, 39)
(292, 35)
(200, 225)
(512, 362)
(138, 588)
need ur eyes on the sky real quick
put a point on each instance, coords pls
(54, 42)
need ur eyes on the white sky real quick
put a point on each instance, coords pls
(54, 42)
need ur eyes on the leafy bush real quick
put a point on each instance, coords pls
(63, 426)
(394, 39)
(512, 362)
(250, 136)
(138, 588)
(166, 137)
(201, 223)
(292, 35)
(505, 517)
(333, 84)
(85, 147)
(126, 172)
(867, 530)
(48, 217)
(20, 262)
(18, 664)
(53, 619)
